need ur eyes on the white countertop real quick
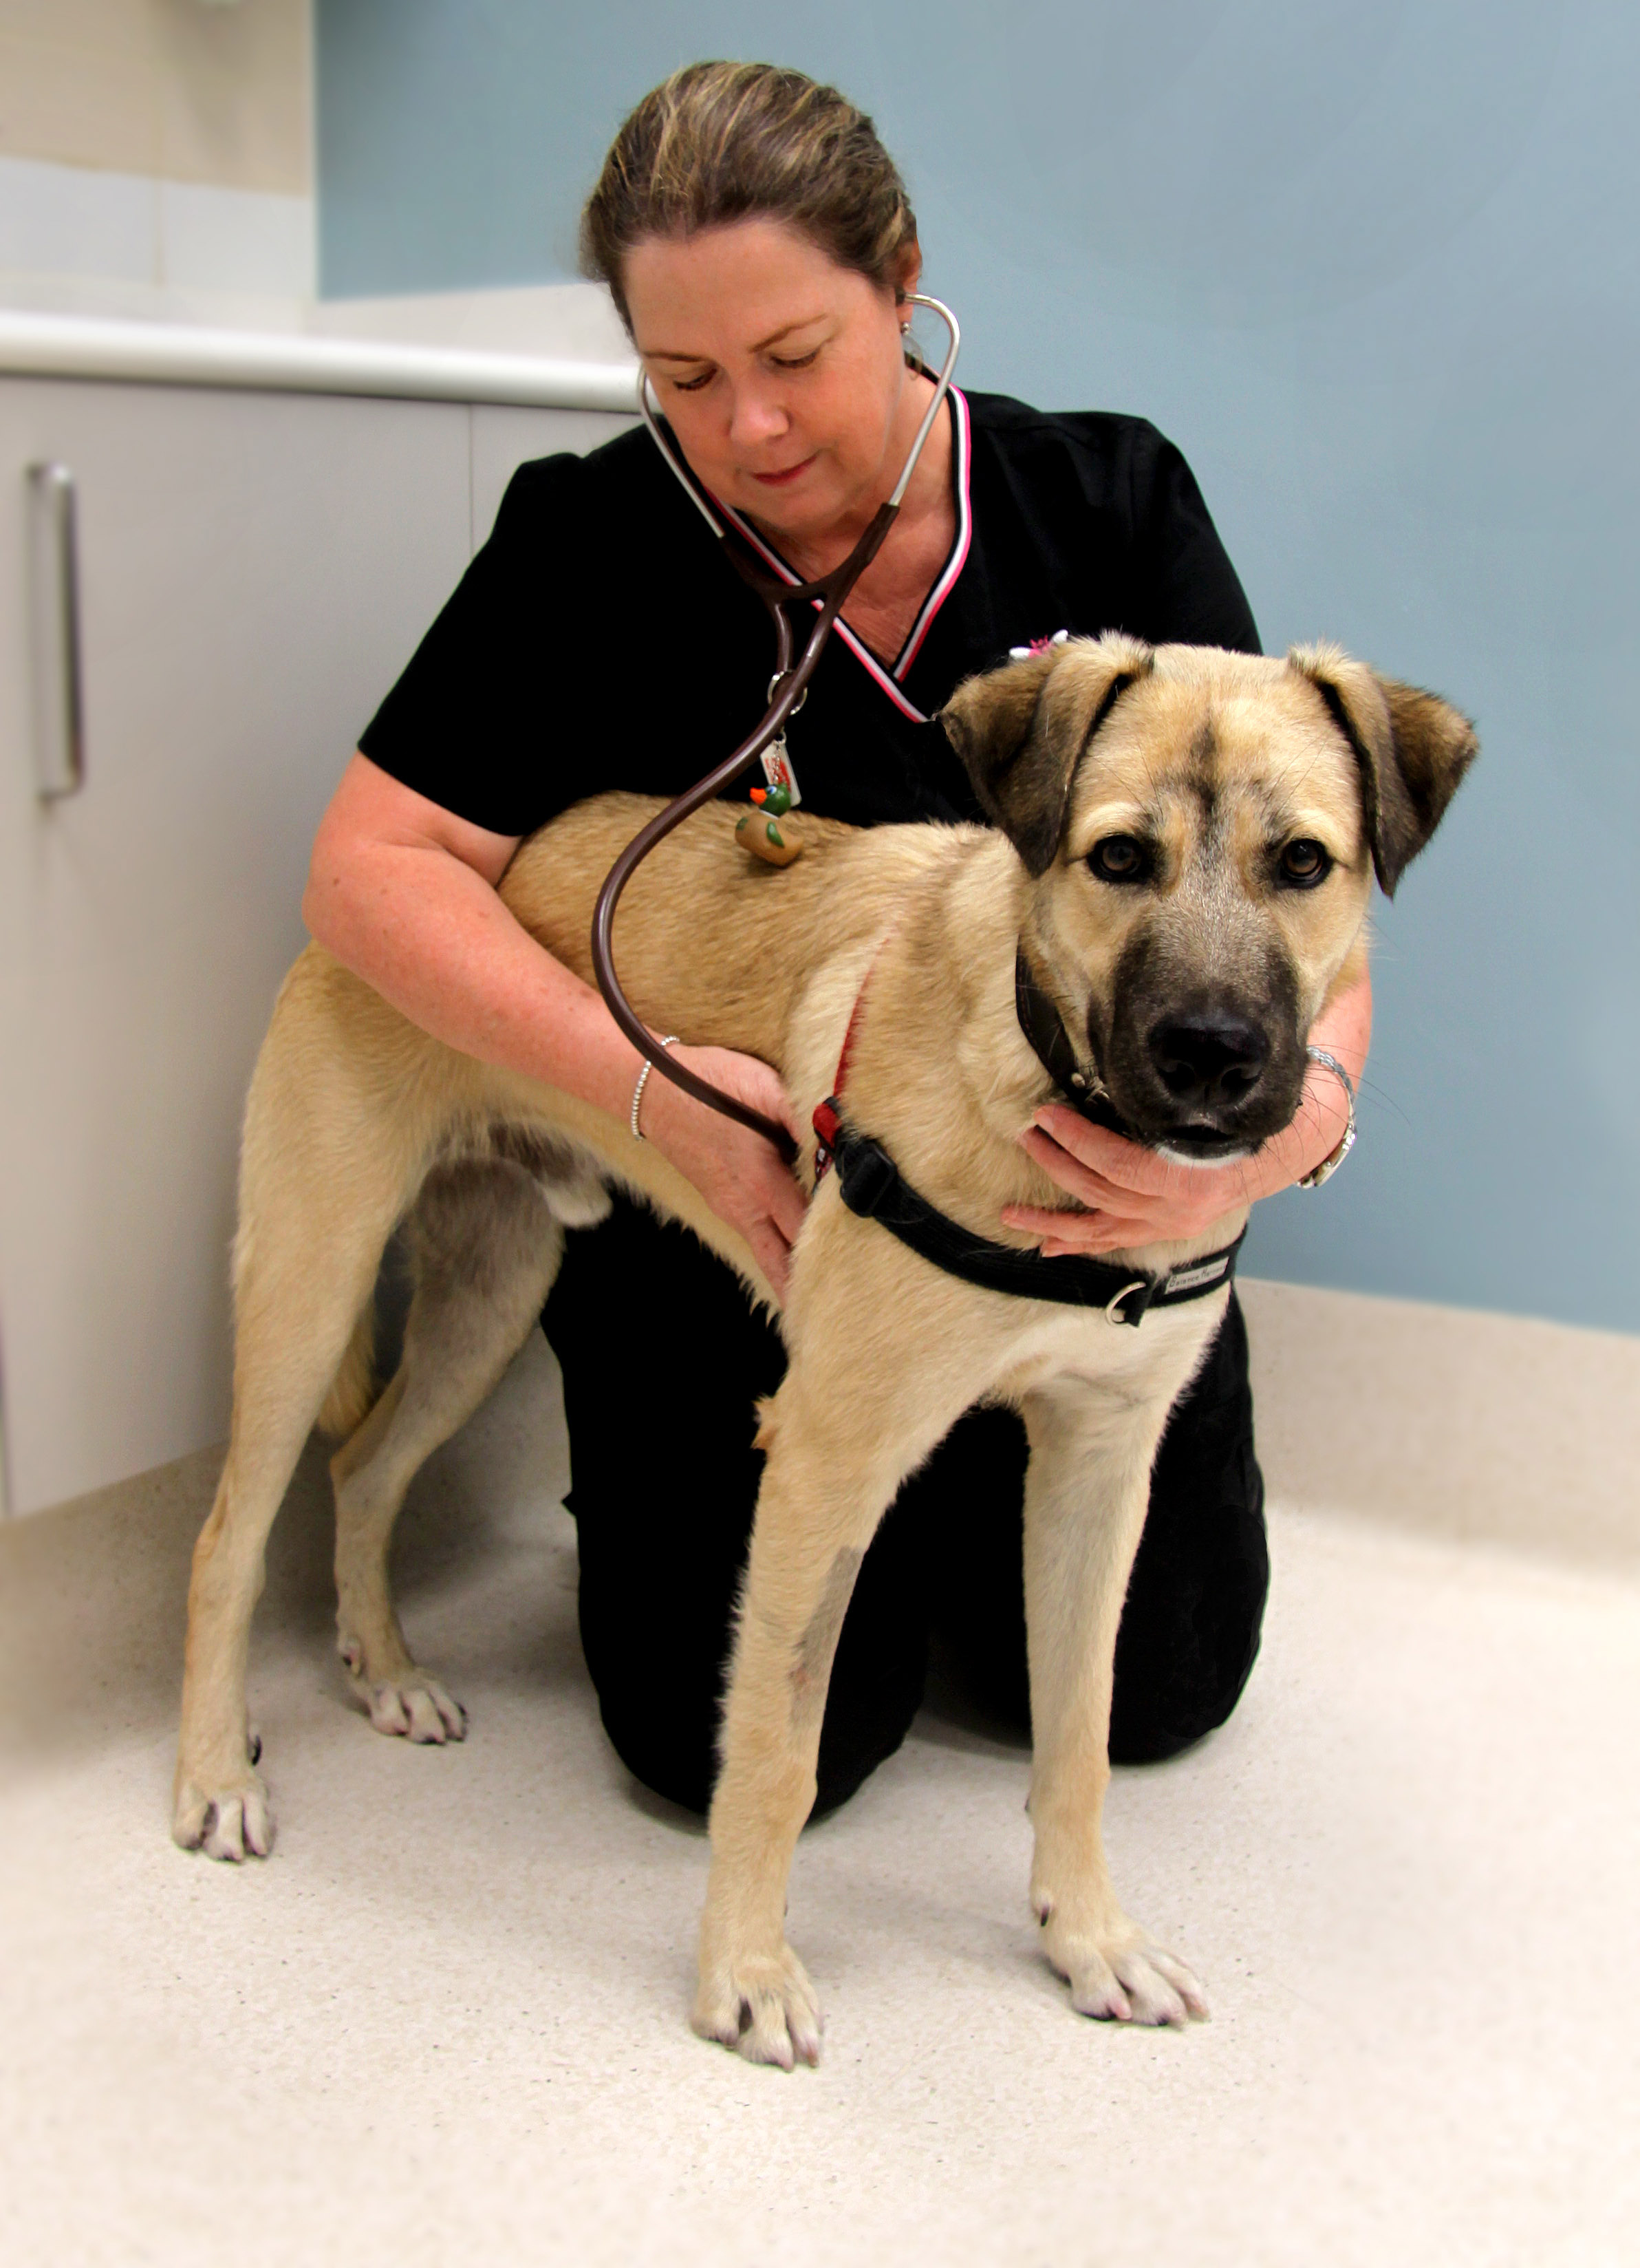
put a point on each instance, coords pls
(175, 354)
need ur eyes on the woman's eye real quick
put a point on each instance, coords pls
(794, 362)
(691, 385)
(1119, 858)
(1304, 863)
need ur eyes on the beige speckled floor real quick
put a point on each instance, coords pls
(445, 2022)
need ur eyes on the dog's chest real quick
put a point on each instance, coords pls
(1076, 1346)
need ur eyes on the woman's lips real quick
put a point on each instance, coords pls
(782, 480)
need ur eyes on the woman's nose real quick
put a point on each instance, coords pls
(757, 418)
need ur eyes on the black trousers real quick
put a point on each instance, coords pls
(662, 1359)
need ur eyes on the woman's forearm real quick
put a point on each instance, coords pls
(419, 919)
(404, 893)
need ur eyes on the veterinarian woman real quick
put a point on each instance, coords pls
(758, 242)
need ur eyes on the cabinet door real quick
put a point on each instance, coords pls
(255, 570)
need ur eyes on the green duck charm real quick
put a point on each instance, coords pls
(766, 831)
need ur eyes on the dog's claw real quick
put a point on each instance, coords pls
(1183, 1983)
(1097, 1993)
(763, 2006)
(232, 1824)
(417, 1710)
(1121, 1977)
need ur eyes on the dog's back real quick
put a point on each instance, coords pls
(708, 940)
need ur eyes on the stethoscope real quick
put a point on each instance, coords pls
(788, 689)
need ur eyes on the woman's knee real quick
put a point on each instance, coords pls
(1195, 1610)
(657, 1617)
(665, 1728)
(1185, 1651)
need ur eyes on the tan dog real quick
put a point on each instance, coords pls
(1184, 845)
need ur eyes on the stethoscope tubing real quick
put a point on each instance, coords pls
(787, 688)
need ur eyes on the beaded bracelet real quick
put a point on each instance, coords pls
(671, 1041)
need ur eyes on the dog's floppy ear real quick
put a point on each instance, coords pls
(1412, 748)
(1022, 730)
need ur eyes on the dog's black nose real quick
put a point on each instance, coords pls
(1217, 1059)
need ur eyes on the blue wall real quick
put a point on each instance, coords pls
(1376, 267)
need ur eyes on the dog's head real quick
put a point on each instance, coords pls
(1200, 829)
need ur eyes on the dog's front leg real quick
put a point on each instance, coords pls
(856, 1413)
(807, 1544)
(1086, 1492)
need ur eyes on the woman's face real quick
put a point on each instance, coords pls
(782, 374)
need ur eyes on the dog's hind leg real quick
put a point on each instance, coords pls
(346, 1104)
(309, 1251)
(486, 1238)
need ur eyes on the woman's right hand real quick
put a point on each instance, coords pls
(741, 1176)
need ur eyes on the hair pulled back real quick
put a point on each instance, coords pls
(722, 142)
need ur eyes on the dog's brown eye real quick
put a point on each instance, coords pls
(1119, 858)
(1304, 863)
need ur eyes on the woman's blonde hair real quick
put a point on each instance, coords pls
(727, 142)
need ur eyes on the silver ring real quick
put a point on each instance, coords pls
(1331, 1063)
(1116, 1299)
(1328, 1166)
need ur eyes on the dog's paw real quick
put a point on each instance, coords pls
(1120, 1976)
(762, 2005)
(414, 1708)
(411, 1707)
(233, 1823)
(418, 1709)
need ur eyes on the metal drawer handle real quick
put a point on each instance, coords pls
(59, 707)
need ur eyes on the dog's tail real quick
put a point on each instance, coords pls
(354, 1390)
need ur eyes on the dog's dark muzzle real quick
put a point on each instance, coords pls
(1211, 1068)
(1206, 1068)
(1206, 1081)
(1207, 1127)
(1212, 1064)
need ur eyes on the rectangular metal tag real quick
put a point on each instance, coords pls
(779, 772)
(1186, 1279)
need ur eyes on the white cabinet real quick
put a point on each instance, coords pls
(255, 568)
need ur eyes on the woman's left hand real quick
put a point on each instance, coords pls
(1132, 1196)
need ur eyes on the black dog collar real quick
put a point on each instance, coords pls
(1044, 1027)
(873, 1187)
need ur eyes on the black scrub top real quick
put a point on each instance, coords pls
(600, 638)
